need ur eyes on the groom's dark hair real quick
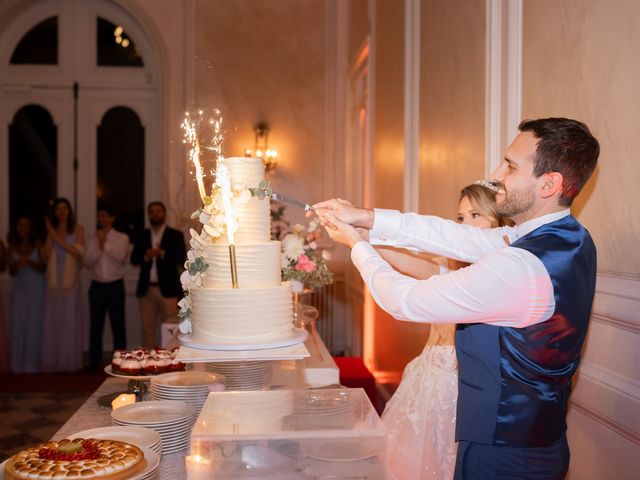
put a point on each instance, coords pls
(566, 146)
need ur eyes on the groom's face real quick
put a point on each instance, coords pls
(516, 174)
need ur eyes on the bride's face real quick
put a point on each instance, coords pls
(468, 215)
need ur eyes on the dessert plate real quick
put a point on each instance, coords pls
(185, 380)
(295, 337)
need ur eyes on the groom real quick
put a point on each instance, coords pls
(523, 306)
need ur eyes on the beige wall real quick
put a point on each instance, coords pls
(452, 96)
(580, 60)
(261, 60)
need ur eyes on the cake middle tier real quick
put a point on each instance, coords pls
(258, 265)
(241, 316)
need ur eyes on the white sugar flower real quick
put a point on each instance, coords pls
(196, 280)
(292, 246)
(185, 303)
(313, 245)
(244, 197)
(185, 280)
(326, 255)
(213, 231)
(204, 217)
(297, 228)
(185, 326)
(191, 256)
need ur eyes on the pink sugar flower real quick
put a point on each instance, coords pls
(305, 264)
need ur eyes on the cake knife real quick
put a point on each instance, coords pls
(291, 201)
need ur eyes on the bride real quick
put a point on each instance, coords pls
(421, 415)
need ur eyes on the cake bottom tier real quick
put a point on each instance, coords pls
(227, 316)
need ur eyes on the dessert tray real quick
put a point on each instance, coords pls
(109, 371)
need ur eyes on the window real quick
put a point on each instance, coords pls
(115, 47)
(121, 168)
(32, 164)
(39, 46)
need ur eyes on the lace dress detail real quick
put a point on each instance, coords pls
(421, 415)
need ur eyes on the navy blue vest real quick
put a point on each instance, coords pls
(514, 383)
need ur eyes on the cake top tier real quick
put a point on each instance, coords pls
(244, 171)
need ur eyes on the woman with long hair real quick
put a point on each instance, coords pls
(63, 333)
(26, 267)
(421, 415)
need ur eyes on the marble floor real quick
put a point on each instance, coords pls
(34, 407)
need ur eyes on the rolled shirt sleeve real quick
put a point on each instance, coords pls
(508, 287)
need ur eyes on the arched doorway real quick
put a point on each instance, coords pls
(78, 60)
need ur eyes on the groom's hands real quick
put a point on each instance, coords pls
(344, 212)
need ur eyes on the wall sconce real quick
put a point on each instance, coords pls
(261, 148)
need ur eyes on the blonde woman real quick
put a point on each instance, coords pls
(421, 415)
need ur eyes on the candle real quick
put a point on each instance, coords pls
(223, 180)
(198, 467)
(122, 400)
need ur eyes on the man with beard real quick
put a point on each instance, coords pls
(522, 307)
(160, 251)
(106, 255)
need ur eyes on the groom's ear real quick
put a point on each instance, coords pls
(552, 184)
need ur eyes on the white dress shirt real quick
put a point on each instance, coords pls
(107, 263)
(505, 286)
(156, 239)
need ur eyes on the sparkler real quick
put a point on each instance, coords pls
(191, 137)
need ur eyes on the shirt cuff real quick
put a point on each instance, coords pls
(360, 252)
(386, 226)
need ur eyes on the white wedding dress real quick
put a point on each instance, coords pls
(421, 415)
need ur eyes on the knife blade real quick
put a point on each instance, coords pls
(291, 201)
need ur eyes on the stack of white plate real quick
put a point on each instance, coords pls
(170, 418)
(189, 387)
(247, 375)
(138, 436)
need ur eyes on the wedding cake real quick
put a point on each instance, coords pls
(260, 309)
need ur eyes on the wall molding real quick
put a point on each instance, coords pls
(606, 422)
(411, 191)
(503, 81)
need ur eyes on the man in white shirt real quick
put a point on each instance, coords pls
(106, 255)
(523, 305)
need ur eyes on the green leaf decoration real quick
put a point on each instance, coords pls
(184, 314)
(196, 214)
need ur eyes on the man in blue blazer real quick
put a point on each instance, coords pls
(523, 306)
(160, 251)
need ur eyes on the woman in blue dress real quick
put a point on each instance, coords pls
(26, 267)
(62, 337)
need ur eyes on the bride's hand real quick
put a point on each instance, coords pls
(340, 232)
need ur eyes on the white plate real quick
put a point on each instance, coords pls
(139, 436)
(343, 450)
(295, 337)
(155, 412)
(185, 380)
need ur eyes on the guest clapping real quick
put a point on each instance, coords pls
(26, 267)
(160, 251)
(62, 334)
(106, 255)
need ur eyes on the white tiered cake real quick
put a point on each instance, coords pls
(260, 310)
